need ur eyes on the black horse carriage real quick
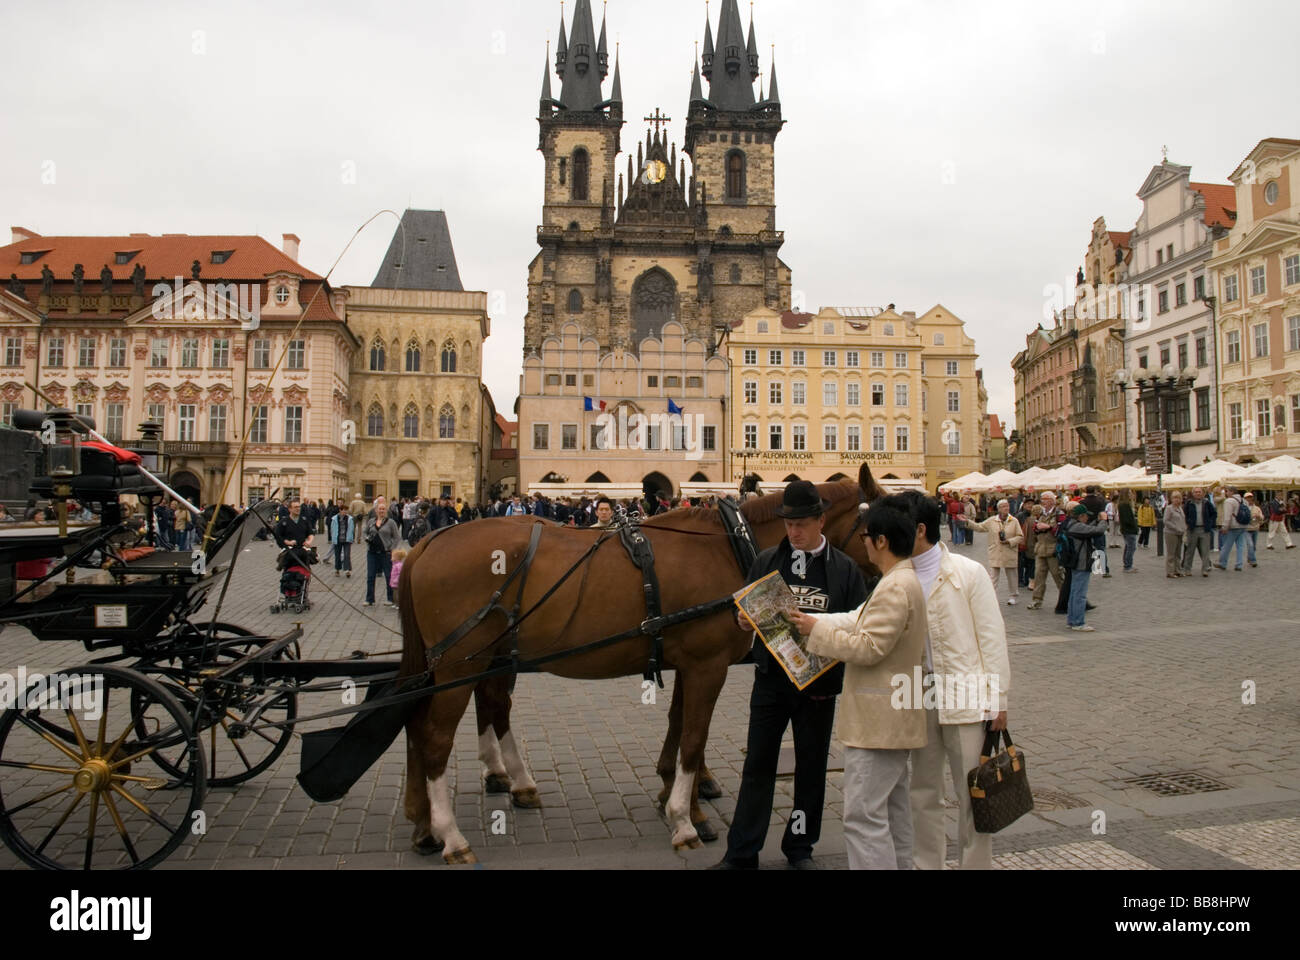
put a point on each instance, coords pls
(106, 765)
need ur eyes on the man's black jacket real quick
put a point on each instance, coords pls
(846, 590)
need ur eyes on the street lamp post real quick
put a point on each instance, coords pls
(1158, 386)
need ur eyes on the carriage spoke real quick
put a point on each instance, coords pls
(45, 735)
(76, 730)
(103, 729)
(234, 743)
(62, 820)
(44, 796)
(90, 834)
(43, 767)
(143, 809)
(174, 736)
(121, 829)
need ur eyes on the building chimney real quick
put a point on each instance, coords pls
(22, 233)
(290, 246)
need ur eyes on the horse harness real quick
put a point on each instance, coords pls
(858, 522)
(641, 553)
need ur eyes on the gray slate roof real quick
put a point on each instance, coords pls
(428, 261)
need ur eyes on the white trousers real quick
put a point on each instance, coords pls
(1013, 579)
(958, 746)
(877, 814)
(1276, 527)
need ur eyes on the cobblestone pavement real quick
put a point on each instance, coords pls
(1157, 689)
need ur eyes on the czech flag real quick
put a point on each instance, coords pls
(673, 408)
(590, 404)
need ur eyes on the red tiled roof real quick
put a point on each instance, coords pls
(1120, 238)
(164, 257)
(995, 428)
(1220, 203)
(795, 321)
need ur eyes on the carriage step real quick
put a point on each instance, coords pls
(154, 783)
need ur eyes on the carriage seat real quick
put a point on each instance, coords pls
(106, 472)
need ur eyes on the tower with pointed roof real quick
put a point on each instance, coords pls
(631, 244)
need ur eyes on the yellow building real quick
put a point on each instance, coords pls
(1256, 278)
(423, 419)
(953, 416)
(813, 397)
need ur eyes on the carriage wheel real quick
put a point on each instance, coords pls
(230, 760)
(74, 794)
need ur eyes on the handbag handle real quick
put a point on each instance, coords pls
(991, 737)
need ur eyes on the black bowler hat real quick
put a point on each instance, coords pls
(801, 500)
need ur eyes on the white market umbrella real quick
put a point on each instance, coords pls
(1124, 475)
(964, 483)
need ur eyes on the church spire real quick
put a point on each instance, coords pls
(546, 80)
(751, 48)
(616, 92)
(708, 44)
(562, 49)
(772, 95)
(697, 91)
(581, 90)
(602, 48)
(728, 88)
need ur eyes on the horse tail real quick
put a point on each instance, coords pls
(413, 661)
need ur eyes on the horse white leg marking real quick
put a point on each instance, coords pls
(443, 821)
(678, 809)
(520, 778)
(489, 753)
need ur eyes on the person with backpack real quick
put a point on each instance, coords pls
(419, 526)
(1078, 559)
(1234, 518)
(1277, 522)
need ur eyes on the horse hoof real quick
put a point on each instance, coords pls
(706, 831)
(460, 856)
(528, 799)
(709, 789)
(686, 837)
(496, 783)
(691, 844)
(427, 846)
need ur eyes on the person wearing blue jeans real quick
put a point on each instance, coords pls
(1231, 532)
(1082, 529)
(381, 535)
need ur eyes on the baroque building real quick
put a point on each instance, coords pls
(628, 246)
(1256, 273)
(1044, 373)
(422, 422)
(220, 339)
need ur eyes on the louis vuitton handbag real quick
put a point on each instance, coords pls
(999, 786)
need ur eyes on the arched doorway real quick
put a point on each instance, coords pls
(408, 481)
(699, 477)
(791, 479)
(597, 477)
(654, 303)
(553, 477)
(656, 482)
(187, 485)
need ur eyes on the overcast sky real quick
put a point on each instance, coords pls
(935, 152)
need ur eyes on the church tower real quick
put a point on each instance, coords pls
(731, 140)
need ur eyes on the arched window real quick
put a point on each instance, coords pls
(735, 175)
(449, 357)
(375, 421)
(735, 273)
(446, 423)
(377, 354)
(575, 301)
(411, 422)
(412, 357)
(581, 174)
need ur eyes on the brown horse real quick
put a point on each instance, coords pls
(443, 587)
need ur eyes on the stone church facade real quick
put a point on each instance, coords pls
(630, 244)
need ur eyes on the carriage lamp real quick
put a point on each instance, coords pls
(65, 452)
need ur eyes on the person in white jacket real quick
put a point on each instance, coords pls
(965, 654)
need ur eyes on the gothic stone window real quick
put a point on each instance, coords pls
(735, 273)
(375, 421)
(735, 175)
(377, 355)
(654, 303)
(412, 357)
(449, 357)
(446, 423)
(575, 301)
(411, 422)
(581, 170)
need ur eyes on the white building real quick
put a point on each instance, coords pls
(1173, 325)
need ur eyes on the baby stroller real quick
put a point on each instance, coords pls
(295, 578)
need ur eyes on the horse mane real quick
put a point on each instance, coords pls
(760, 510)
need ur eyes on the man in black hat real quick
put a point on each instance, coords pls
(823, 580)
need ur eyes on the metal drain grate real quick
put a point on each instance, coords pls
(1178, 784)
(1055, 800)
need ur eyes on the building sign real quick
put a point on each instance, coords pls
(866, 458)
(1156, 451)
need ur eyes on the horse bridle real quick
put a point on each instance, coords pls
(858, 522)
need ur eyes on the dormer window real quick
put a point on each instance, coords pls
(221, 256)
(124, 256)
(282, 294)
(31, 256)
